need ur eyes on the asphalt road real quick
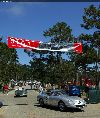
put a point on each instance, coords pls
(27, 107)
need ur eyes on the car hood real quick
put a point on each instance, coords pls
(72, 97)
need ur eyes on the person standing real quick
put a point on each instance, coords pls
(87, 91)
(5, 89)
(53, 87)
(40, 88)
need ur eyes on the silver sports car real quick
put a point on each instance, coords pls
(21, 93)
(60, 99)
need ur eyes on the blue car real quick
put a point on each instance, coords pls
(74, 91)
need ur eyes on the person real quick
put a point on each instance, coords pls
(31, 85)
(87, 91)
(40, 88)
(53, 87)
(20, 87)
(66, 88)
(49, 86)
(5, 89)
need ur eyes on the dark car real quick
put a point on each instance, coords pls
(21, 93)
(74, 90)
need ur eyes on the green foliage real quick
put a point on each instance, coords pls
(23, 72)
(91, 20)
(8, 60)
(51, 67)
(59, 33)
(91, 17)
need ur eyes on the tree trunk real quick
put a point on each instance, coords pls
(59, 59)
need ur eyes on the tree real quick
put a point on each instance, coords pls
(91, 20)
(91, 17)
(38, 63)
(24, 72)
(8, 61)
(88, 56)
(45, 64)
(59, 33)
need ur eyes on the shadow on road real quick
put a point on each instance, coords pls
(21, 104)
(5, 105)
(19, 96)
(72, 110)
(15, 104)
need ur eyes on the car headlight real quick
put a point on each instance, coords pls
(84, 101)
(70, 101)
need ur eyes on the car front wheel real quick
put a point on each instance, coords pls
(41, 102)
(61, 106)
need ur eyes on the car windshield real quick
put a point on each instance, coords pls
(56, 92)
(61, 92)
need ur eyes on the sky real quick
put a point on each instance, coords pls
(29, 19)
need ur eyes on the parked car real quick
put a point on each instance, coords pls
(60, 99)
(21, 93)
(74, 90)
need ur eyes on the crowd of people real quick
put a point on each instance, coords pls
(37, 85)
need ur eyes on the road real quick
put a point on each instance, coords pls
(27, 107)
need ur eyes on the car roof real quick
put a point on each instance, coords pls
(54, 90)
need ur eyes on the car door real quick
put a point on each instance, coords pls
(53, 99)
(46, 99)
